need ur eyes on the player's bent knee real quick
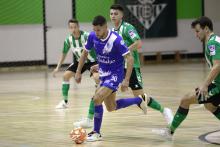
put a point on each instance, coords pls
(98, 99)
(67, 76)
(186, 100)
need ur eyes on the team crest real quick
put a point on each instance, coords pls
(146, 11)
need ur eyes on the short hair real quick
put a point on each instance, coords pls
(117, 7)
(73, 21)
(203, 22)
(99, 20)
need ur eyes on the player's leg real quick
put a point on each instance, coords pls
(179, 117)
(87, 122)
(112, 104)
(95, 76)
(215, 110)
(68, 74)
(90, 115)
(214, 101)
(99, 97)
(152, 103)
(183, 110)
(211, 104)
(136, 84)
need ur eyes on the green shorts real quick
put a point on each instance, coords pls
(214, 95)
(136, 81)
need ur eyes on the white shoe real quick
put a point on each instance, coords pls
(84, 123)
(143, 104)
(168, 115)
(62, 105)
(165, 133)
(93, 136)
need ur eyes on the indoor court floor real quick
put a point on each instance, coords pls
(28, 116)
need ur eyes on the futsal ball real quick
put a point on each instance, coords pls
(78, 135)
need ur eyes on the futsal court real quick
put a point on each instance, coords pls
(29, 119)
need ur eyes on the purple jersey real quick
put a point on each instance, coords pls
(109, 53)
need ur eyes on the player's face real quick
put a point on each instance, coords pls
(200, 33)
(73, 27)
(116, 15)
(100, 31)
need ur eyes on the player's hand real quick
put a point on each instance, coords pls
(78, 77)
(197, 91)
(94, 68)
(55, 71)
(124, 85)
(203, 93)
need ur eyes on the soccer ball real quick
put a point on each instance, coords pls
(78, 135)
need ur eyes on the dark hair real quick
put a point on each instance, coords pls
(117, 7)
(99, 20)
(73, 21)
(203, 22)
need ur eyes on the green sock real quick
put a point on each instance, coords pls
(178, 118)
(65, 89)
(91, 109)
(217, 113)
(155, 105)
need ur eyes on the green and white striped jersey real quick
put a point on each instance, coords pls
(129, 35)
(212, 52)
(77, 46)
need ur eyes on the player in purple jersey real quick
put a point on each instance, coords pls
(111, 52)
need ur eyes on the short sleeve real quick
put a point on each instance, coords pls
(66, 46)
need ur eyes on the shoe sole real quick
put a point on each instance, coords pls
(94, 140)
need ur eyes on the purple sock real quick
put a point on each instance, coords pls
(122, 103)
(98, 118)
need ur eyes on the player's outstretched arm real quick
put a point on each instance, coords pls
(60, 62)
(82, 60)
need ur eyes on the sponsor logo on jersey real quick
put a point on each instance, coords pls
(104, 73)
(132, 34)
(105, 60)
(212, 49)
